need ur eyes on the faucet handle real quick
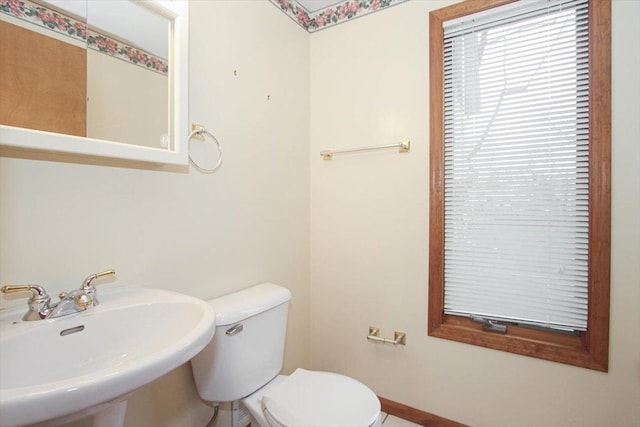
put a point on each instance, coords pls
(86, 284)
(38, 302)
(90, 290)
(37, 291)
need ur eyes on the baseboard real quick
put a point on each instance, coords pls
(417, 416)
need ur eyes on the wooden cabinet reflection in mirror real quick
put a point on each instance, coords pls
(57, 70)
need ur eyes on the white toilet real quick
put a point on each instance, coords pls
(243, 360)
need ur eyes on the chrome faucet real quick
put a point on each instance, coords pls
(70, 302)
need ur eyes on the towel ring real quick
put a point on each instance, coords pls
(215, 140)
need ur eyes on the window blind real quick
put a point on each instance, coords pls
(516, 89)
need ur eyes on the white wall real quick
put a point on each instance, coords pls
(369, 238)
(64, 217)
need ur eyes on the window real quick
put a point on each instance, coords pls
(520, 177)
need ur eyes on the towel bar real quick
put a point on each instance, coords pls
(403, 147)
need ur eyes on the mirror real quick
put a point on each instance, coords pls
(128, 76)
(96, 77)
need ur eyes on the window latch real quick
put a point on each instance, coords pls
(490, 325)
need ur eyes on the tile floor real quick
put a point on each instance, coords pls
(393, 421)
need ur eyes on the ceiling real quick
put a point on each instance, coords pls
(316, 5)
(314, 15)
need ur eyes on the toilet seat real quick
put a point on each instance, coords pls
(320, 399)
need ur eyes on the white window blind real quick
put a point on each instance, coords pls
(516, 89)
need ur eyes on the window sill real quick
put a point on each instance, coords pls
(556, 347)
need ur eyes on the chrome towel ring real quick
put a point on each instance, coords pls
(202, 131)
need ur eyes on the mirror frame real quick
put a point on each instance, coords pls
(178, 12)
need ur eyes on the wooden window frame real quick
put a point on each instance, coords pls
(591, 348)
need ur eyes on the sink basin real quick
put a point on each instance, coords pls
(55, 368)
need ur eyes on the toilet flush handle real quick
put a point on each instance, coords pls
(235, 329)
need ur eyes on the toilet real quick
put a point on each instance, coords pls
(245, 356)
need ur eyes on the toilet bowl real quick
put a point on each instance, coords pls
(245, 356)
(313, 399)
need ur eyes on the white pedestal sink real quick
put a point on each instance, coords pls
(87, 363)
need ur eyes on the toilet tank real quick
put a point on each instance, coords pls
(247, 349)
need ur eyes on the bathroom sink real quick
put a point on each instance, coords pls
(51, 369)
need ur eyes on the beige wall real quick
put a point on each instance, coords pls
(64, 217)
(369, 239)
(125, 102)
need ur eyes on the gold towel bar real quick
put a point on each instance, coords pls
(403, 147)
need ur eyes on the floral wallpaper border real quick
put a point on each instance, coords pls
(43, 17)
(332, 15)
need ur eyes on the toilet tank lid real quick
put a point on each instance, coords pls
(241, 305)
